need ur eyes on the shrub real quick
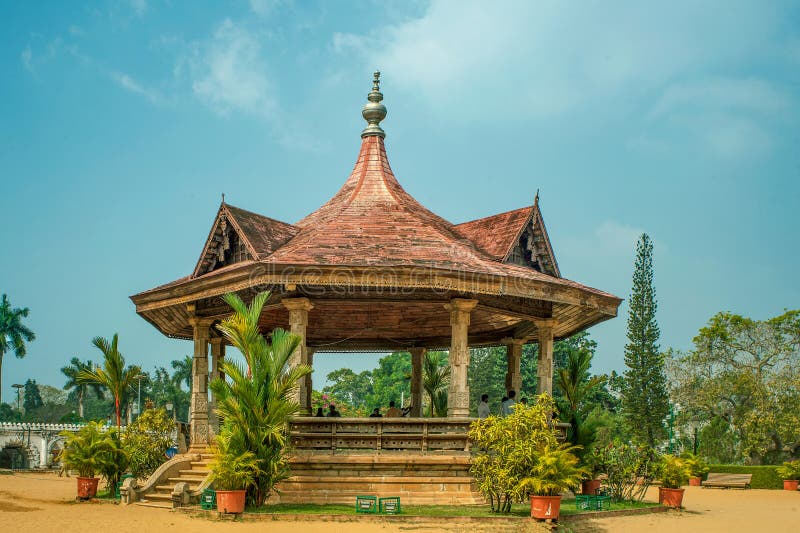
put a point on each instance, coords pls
(518, 453)
(789, 470)
(673, 471)
(696, 465)
(764, 477)
(231, 469)
(146, 440)
(629, 469)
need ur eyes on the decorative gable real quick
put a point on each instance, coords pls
(532, 247)
(225, 246)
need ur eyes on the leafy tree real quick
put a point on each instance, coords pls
(629, 469)
(744, 374)
(113, 375)
(163, 389)
(9, 413)
(486, 375)
(391, 381)
(146, 440)
(256, 402)
(31, 397)
(183, 372)
(435, 381)
(644, 399)
(13, 333)
(72, 371)
(355, 389)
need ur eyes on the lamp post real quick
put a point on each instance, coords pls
(19, 388)
(674, 409)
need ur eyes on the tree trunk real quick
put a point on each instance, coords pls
(116, 408)
(80, 402)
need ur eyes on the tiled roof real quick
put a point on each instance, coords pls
(264, 234)
(496, 234)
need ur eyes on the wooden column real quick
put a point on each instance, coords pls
(298, 323)
(309, 381)
(513, 359)
(217, 357)
(416, 380)
(458, 393)
(544, 366)
(198, 413)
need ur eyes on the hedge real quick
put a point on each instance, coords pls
(764, 477)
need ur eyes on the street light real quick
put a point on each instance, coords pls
(19, 388)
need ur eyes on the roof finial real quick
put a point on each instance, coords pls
(223, 198)
(536, 199)
(374, 111)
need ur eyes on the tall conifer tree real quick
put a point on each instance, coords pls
(645, 401)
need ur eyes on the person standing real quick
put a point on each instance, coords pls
(393, 411)
(483, 406)
(507, 406)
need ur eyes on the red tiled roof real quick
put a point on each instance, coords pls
(496, 234)
(264, 234)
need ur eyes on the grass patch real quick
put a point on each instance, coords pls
(519, 509)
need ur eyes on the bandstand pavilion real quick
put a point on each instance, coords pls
(372, 270)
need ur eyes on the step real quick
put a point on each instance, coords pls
(157, 496)
(155, 505)
(194, 472)
(192, 480)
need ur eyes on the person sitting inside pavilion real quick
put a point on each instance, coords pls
(393, 411)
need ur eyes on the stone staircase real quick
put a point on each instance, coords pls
(160, 495)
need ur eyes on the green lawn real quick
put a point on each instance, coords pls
(567, 508)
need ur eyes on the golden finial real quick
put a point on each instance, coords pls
(374, 111)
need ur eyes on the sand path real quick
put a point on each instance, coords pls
(43, 503)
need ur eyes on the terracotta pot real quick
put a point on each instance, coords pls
(544, 507)
(790, 484)
(695, 481)
(670, 497)
(231, 501)
(590, 486)
(87, 487)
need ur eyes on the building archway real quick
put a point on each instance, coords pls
(15, 456)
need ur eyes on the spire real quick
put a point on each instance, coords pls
(374, 111)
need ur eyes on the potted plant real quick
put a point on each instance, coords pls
(674, 474)
(697, 468)
(554, 471)
(90, 451)
(594, 467)
(232, 472)
(790, 472)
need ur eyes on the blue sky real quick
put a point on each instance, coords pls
(121, 123)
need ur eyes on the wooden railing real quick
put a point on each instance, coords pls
(390, 434)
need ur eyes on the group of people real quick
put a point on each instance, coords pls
(392, 412)
(507, 404)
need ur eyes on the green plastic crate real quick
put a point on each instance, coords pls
(208, 500)
(389, 505)
(603, 503)
(584, 502)
(367, 504)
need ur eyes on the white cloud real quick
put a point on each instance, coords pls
(265, 7)
(139, 7)
(748, 94)
(128, 83)
(26, 56)
(230, 74)
(545, 58)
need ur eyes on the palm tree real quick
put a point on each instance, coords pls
(435, 381)
(183, 372)
(113, 375)
(256, 402)
(13, 333)
(576, 385)
(76, 366)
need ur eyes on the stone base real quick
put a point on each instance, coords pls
(323, 478)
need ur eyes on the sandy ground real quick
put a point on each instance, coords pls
(42, 503)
